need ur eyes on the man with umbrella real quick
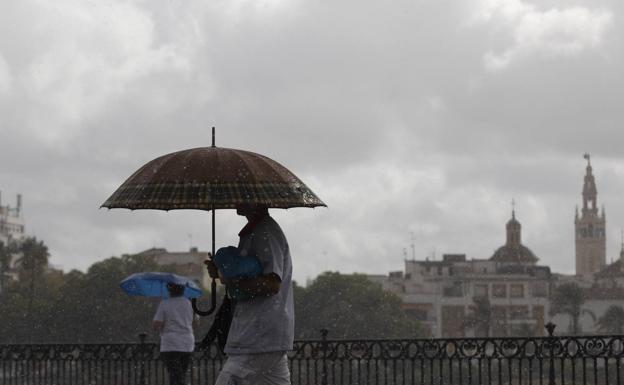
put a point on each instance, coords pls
(213, 178)
(262, 329)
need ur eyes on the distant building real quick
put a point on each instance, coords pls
(11, 221)
(605, 289)
(602, 284)
(589, 227)
(11, 229)
(441, 294)
(612, 276)
(188, 263)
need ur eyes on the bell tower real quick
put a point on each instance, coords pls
(590, 235)
(514, 229)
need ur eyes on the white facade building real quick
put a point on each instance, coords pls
(441, 294)
(11, 221)
(11, 229)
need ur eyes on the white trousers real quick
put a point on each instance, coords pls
(255, 369)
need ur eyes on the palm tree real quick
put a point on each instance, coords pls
(7, 252)
(33, 261)
(5, 261)
(568, 299)
(611, 320)
(480, 318)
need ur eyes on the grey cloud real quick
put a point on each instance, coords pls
(388, 113)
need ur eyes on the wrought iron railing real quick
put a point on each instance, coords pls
(542, 360)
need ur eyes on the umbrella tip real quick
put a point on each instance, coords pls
(213, 136)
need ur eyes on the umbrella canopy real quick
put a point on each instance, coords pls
(208, 178)
(211, 178)
(150, 284)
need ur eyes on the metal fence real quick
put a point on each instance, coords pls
(542, 360)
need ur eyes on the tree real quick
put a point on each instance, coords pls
(79, 307)
(26, 318)
(34, 258)
(350, 306)
(95, 302)
(33, 262)
(91, 307)
(480, 318)
(611, 320)
(568, 299)
(5, 262)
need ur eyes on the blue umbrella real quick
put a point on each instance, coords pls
(155, 285)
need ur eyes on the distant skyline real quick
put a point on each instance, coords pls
(420, 117)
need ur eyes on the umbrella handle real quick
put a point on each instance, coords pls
(213, 297)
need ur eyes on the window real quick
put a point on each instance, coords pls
(453, 291)
(499, 290)
(519, 312)
(539, 289)
(516, 290)
(481, 290)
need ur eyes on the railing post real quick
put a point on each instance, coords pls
(550, 327)
(324, 333)
(142, 356)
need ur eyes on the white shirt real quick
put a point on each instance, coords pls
(176, 333)
(265, 324)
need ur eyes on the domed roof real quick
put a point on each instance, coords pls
(514, 251)
(514, 254)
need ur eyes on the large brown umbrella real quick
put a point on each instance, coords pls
(208, 178)
(211, 178)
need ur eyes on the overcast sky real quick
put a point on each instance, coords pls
(423, 116)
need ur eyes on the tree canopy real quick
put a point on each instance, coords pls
(89, 307)
(6, 254)
(351, 306)
(568, 299)
(79, 307)
(611, 320)
(480, 318)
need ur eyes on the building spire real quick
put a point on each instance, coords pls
(589, 190)
(622, 247)
(590, 229)
(514, 229)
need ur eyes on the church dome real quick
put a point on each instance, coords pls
(514, 251)
(514, 254)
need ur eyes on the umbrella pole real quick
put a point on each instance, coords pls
(213, 284)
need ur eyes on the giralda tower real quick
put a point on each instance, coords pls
(591, 240)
